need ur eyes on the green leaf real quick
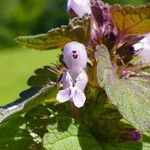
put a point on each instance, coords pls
(25, 131)
(44, 76)
(131, 20)
(29, 99)
(146, 141)
(123, 146)
(66, 133)
(55, 38)
(131, 96)
(77, 30)
(14, 136)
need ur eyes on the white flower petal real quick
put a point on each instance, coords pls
(64, 95)
(78, 98)
(66, 80)
(81, 80)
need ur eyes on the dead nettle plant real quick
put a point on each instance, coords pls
(98, 95)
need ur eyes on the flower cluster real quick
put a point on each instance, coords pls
(123, 48)
(103, 29)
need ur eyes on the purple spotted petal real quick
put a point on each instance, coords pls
(78, 98)
(81, 80)
(80, 7)
(64, 95)
(75, 55)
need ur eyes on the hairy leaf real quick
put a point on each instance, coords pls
(66, 133)
(131, 20)
(131, 96)
(55, 38)
(77, 29)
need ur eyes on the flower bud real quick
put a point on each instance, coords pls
(80, 7)
(134, 135)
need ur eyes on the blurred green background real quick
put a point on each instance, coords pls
(29, 17)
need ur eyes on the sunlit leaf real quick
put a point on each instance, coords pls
(29, 99)
(146, 141)
(131, 96)
(55, 38)
(131, 20)
(67, 133)
(77, 29)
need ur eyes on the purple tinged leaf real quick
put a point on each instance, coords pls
(97, 12)
(103, 28)
(80, 7)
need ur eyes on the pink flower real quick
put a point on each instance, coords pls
(75, 57)
(74, 79)
(80, 7)
(73, 90)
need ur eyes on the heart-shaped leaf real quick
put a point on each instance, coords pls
(55, 38)
(131, 96)
(67, 133)
(131, 20)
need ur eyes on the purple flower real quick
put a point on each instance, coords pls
(79, 7)
(74, 79)
(134, 135)
(144, 47)
(102, 24)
